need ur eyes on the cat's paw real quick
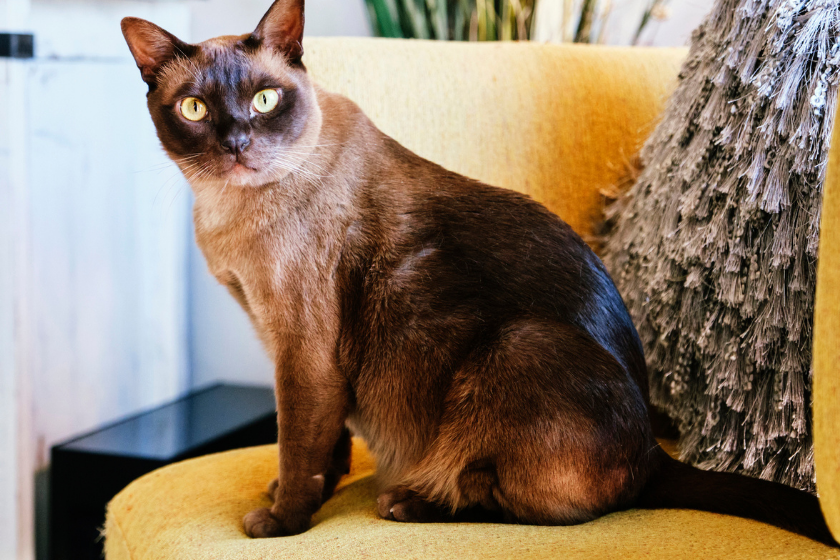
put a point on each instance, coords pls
(402, 504)
(260, 524)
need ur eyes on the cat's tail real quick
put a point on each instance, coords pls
(680, 486)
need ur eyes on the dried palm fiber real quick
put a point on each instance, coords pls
(714, 246)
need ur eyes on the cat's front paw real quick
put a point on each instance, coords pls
(261, 524)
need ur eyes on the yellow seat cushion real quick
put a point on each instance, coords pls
(194, 510)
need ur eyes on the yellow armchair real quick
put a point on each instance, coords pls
(556, 122)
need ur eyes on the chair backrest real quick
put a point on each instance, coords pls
(558, 122)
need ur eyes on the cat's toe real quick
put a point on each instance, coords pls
(408, 507)
(260, 524)
(385, 501)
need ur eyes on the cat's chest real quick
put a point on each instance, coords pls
(275, 266)
(262, 264)
(245, 237)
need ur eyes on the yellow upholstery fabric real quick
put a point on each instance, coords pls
(556, 122)
(826, 388)
(193, 510)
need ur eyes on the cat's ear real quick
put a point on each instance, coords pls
(151, 46)
(281, 28)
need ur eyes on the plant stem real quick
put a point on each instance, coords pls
(645, 20)
(584, 30)
(440, 18)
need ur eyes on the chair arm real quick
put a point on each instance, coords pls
(826, 388)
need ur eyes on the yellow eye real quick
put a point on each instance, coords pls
(193, 109)
(266, 100)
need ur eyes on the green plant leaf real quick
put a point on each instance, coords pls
(438, 10)
(384, 18)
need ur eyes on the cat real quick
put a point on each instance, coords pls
(470, 337)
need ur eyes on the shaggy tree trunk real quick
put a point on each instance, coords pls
(715, 246)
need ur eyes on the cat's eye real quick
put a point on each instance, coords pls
(266, 100)
(193, 109)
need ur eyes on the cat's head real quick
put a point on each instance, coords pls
(237, 111)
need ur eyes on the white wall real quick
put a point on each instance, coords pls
(107, 252)
(212, 18)
(90, 29)
(93, 243)
(8, 411)
(675, 31)
(623, 20)
(109, 225)
(15, 537)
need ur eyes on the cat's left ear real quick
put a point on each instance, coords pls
(151, 46)
(281, 28)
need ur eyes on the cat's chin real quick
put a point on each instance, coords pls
(237, 176)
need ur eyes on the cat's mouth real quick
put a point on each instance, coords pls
(240, 169)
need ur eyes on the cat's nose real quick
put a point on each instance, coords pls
(236, 143)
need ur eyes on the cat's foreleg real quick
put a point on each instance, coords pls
(314, 447)
(339, 467)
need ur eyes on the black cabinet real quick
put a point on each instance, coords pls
(87, 471)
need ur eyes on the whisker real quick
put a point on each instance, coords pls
(167, 186)
(320, 145)
(174, 198)
(294, 169)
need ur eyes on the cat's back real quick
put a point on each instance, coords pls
(447, 242)
(500, 239)
(430, 241)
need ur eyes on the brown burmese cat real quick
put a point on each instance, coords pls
(464, 331)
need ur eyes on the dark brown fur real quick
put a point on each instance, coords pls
(468, 334)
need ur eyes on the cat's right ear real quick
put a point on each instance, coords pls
(151, 46)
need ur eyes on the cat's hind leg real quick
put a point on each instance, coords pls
(575, 435)
(541, 426)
